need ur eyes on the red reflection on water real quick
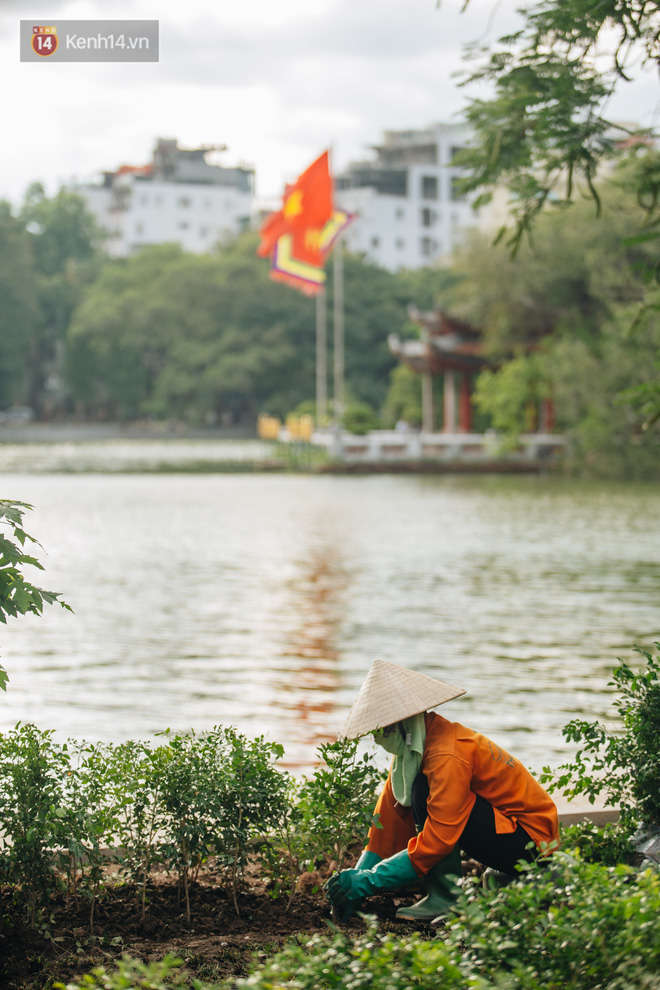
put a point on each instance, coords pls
(312, 674)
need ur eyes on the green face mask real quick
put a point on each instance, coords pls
(392, 742)
(407, 752)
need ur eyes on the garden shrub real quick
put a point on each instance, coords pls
(190, 775)
(609, 844)
(573, 924)
(373, 961)
(176, 804)
(337, 803)
(33, 815)
(623, 766)
(90, 820)
(252, 800)
(134, 781)
(131, 973)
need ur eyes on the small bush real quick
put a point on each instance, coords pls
(373, 961)
(573, 924)
(609, 844)
(359, 418)
(337, 803)
(131, 973)
(33, 816)
(623, 766)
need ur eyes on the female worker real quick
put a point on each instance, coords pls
(448, 789)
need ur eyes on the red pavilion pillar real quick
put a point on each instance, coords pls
(465, 404)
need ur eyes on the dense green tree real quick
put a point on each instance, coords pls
(193, 336)
(64, 240)
(425, 288)
(546, 126)
(19, 313)
(556, 319)
(575, 274)
(545, 134)
(212, 337)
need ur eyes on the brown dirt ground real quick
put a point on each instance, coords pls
(216, 945)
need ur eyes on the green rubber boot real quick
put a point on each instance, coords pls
(441, 891)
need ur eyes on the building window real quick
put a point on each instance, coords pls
(428, 217)
(428, 247)
(456, 194)
(183, 226)
(184, 201)
(400, 243)
(144, 199)
(399, 213)
(429, 187)
(203, 231)
(375, 242)
(139, 229)
(454, 152)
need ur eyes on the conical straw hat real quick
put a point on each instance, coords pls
(392, 693)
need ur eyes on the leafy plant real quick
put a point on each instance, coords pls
(609, 844)
(572, 924)
(337, 802)
(129, 973)
(624, 766)
(32, 813)
(134, 778)
(90, 822)
(253, 798)
(18, 596)
(359, 418)
(374, 961)
(191, 775)
(281, 853)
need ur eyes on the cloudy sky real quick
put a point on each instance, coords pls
(277, 81)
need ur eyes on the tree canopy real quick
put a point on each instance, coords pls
(546, 137)
(212, 338)
(547, 125)
(556, 320)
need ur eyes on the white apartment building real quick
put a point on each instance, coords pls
(178, 197)
(410, 210)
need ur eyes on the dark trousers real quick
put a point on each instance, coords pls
(479, 840)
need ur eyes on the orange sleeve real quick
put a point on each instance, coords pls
(449, 805)
(398, 825)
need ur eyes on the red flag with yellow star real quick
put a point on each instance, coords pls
(306, 208)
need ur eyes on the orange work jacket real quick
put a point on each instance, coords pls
(459, 764)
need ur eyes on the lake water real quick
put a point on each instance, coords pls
(261, 600)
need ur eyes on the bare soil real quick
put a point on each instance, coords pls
(216, 945)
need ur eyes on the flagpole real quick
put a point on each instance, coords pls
(338, 330)
(321, 359)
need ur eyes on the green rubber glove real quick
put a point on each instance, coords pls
(367, 860)
(345, 890)
(352, 905)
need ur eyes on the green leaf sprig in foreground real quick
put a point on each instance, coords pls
(17, 595)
